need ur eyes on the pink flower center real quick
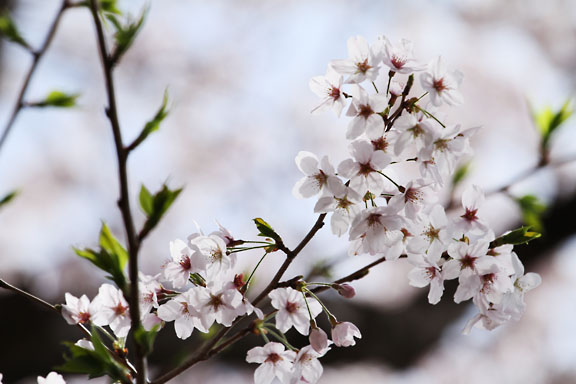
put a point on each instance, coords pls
(273, 358)
(374, 219)
(83, 317)
(292, 307)
(380, 144)
(438, 85)
(365, 111)
(365, 169)
(363, 67)
(398, 61)
(470, 214)
(467, 262)
(185, 263)
(412, 195)
(119, 310)
(334, 93)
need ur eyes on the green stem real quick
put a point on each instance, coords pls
(281, 338)
(376, 88)
(330, 315)
(392, 181)
(255, 268)
(428, 114)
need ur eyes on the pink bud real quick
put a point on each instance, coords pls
(343, 334)
(318, 340)
(346, 290)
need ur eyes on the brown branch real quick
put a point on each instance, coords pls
(124, 201)
(290, 256)
(37, 56)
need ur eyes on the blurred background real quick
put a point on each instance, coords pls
(237, 73)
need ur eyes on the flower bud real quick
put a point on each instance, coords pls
(345, 290)
(318, 339)
(343, 334)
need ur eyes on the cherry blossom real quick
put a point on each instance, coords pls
(307, 368)
(399, 58)
(292, 310)
(274, 361)
(441, 84)
(319, 176)
(427, 272)
(363, 169)
(52, 378)
(362, 64)
(319, 339)
(78, 310)
(343, 334)
(328, 88)
(112, 310)
(185, 260)
(183, 311)
(365, 108)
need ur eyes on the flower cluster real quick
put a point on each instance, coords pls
(384, 213)
(390, 215)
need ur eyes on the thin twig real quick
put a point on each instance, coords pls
(124, 201)
(37, 56)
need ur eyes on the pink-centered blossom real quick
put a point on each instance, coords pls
(365, 110)
(442, 85)
(319, 176)
(362, 63)
(185, 260)
(329, 89)
(292, 310)
(78, 310)
(363, 170)
(274, 361)
(112, 310)
(399, 57)
(307, 368)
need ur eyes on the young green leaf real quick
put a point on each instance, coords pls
(155, 206)
(266, 230)
(532, 210)
(9, 30)
(460, 174)
(105, 6)
(521, 235)
(94, 363)
(111, 257)
(154, 124)
(146, 338)
(8, 198)
(125, 33)
(548, 121)
(146, 200)
(57, 99)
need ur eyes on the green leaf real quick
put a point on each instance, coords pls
(125, 33)
(111, 257)
(9, 30)
(146, 200)
(460, 174)
(266, 230)
(146, 338)
(156, 206)
(8, 198)
(548, 121)
(521, 235)
(105, 6)
(57, 99)
(112, 246)
(94, 363)
(154, 124)
(532, 210)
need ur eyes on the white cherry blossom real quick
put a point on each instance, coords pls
(319, 176)
(292, 310)
(442, 85)
(112, 310)
(363, 169)
(329, 89)
(365, 108)
(52, 378)
(274, 361)
(362, 63)
(399, 58)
